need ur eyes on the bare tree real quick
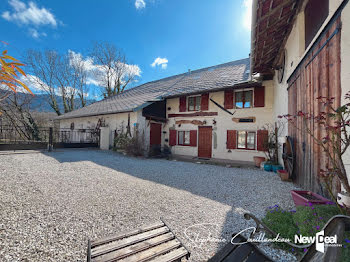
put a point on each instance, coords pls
(59, 77)
(15, 112)
(112, 72)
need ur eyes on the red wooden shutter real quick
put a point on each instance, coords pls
(182, 104)
(259, 96)
(231, 139)
(228, 102)
(193, 138)
(205, 102)
(172, 137)
(263, 136)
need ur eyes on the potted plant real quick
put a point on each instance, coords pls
(271, 146)
(302, 198)
(283, 174)
(258, 160)
(268, 166)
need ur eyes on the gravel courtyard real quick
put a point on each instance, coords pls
(52, 203)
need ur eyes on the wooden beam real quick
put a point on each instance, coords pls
(193, 122)
(194, 114)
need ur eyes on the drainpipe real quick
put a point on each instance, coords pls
(254, 11)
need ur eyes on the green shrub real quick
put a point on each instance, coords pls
(121, 141)
(281, 222)
(311, 219)
(306, 221)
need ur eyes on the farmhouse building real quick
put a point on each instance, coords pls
(214, 112)
(302, 49)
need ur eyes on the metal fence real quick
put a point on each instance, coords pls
(21, 137)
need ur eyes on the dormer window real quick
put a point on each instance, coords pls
(194, 103)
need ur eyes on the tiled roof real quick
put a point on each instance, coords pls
(206, 79)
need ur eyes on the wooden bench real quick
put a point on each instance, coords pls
(249, 252)
(156, 243)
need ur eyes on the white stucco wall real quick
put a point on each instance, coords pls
(114, 122)
(223, 123)
(345, 69)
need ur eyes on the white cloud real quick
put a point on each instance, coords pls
(96, 72)
(35, 34)
(29, 14)
(247, 14)
(34, 83)
(163, 62)
(139, 4)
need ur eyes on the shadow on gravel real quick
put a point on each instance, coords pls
(244, 190)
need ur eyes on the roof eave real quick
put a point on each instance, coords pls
(253, 27)
(238, 85)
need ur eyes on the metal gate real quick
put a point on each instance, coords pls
(22, 138)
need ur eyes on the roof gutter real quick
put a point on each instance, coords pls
(252, 37)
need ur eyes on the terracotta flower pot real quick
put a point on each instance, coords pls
(258, 160)
(283, 175)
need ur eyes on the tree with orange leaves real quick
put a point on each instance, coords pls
(10, 74)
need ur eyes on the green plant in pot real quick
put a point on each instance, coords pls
(271, 146)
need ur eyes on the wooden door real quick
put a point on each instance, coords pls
(318, 75)
(204, 141)
(155, 134)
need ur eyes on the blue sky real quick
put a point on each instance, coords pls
(182, 34)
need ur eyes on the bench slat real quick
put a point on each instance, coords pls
(226, 250)
(128, 241)
(130, 250)
(125, 234)
(172, 256)
(153, 252)
(240, 253)
(257, 257)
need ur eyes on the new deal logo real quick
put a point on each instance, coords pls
(321, 240)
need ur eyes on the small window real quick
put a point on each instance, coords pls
(194, 103)
(246, 140)
(316, 12)
(244, 99)
(183, 138)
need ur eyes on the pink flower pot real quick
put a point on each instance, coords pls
(305, 198)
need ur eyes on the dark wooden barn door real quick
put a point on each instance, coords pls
(155, 134)
(318, 75)
(204, 141)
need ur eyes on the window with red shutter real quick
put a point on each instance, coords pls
(182, 107)
(231, 139)
(193, 138)
(228, 100)
(259, 96)
(172, 137)
(205, 102)
(263, 136)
